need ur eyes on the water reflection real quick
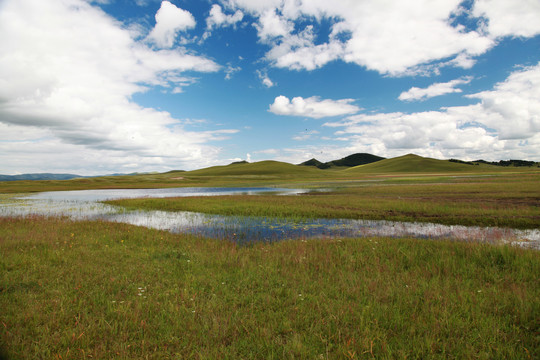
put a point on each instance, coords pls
(79, 205)
(111, 194)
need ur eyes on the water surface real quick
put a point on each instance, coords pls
(85, 204)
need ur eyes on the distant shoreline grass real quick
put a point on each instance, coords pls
(89, 289)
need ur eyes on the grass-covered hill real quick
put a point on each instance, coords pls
(415, 164)
(268, 167)
(263, 173)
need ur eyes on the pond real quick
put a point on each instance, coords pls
(85, 204)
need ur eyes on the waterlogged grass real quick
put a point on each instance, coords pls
(71, 290)
(504, 201)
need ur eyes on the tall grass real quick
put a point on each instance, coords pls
(71, 290)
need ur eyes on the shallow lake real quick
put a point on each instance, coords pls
(85, 204)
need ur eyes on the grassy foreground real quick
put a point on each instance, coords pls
(72, 290)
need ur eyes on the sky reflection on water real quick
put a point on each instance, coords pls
(84, 204)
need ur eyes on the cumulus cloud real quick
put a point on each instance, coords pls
(509, 18)
(513, 106)
(217, 18)
(271, 25)
(67, 74)
(312, 107)
(504, 124)
(169, 21)
(392, 37)
(436, 89)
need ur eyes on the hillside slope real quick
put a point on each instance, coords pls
(413, 164)
(268, 167)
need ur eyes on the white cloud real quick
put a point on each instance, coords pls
(312, 107)
(436, 89)
(509, 18)
(298, 51)
(504, 124)
(272, 26)
(217, 18)
(392, 37)
(513, 106)
(230, 70)
(266, 81)
(67, 74)
(169, 21)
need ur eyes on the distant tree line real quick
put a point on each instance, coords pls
(497, 163)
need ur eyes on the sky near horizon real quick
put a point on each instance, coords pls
(118, 86)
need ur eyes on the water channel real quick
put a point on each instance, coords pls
(86, 204)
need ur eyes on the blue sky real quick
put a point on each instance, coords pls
(95, 87)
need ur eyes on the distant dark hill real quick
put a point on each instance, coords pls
(412, 164)
(49, 176)
(316, 163)
(348, 161)
(356, 159)
(40, 176)
(268, 167)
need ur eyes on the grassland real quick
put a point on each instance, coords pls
(72, 290)
(89, 289)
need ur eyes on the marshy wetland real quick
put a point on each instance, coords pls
(89, 205)
(92, 284)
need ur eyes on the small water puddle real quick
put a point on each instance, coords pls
(84, 204)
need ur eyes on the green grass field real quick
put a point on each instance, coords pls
(91, 289)
(73, 290)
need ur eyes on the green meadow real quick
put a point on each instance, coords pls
(92, 289)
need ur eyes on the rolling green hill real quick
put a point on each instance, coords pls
(413, 164)
(268, 167)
